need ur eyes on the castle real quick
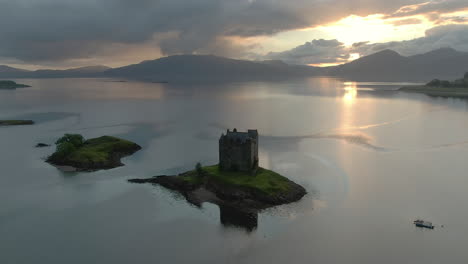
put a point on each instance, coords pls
(238, 151)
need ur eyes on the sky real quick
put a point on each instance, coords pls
(70, 33)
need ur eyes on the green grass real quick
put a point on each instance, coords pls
(266, 181)
(15, 122)
(95, 151)
(98, 150)
(191, 177)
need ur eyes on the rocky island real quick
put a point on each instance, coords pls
(75, 153)
(240, 190)
(16, 122)
(11, 85)
(237, 181)
(457, 88)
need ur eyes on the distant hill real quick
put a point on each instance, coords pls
(388, 65)
(9, 71)
(90, 71)
(207, 67)
(385, 65)
(180, 68)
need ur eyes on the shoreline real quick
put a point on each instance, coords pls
(210, 189)
(5, 123)
(436, 91)
(112, 163)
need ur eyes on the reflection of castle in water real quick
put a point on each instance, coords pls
(238, 151)
(234, 217)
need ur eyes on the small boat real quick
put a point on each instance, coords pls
(423, 224)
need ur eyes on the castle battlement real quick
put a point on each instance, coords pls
(238, 151)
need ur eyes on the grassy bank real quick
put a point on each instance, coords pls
(266, 181)
(97, 153)
(99, 150)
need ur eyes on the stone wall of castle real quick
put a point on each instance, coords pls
(237, 155)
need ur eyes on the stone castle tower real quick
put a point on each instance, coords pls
(238, 151)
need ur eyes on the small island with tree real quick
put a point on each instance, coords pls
(11, 85)
(105, 152)
(237, 181)
(436, 87)
(16, 122)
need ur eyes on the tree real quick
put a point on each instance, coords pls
(199, 169)
(66, 145)
(434, 83)
(74, 139)
(63, 150)
(445, 84)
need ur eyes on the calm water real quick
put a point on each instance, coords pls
(371, 158)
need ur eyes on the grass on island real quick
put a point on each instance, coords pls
(266, 181)
(16, 122)
(98, 150)
(73, 149)
(11, 85)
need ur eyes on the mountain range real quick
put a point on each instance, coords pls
(385, 65)
(388, 65)
(202, 67)
(90, 71)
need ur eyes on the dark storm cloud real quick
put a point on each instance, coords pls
(57, 30)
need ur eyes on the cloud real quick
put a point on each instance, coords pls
(333, 51)
(429, 7)
(314, 52)
(453, 36)
(407, 21)
(47, 31)
(456, 19)
(434, 10)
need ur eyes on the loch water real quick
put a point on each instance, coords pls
(373, 159)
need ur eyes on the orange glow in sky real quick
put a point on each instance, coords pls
(375, 28)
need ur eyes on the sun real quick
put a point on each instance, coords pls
(354, 56)
(354, 29)
(374, 28)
